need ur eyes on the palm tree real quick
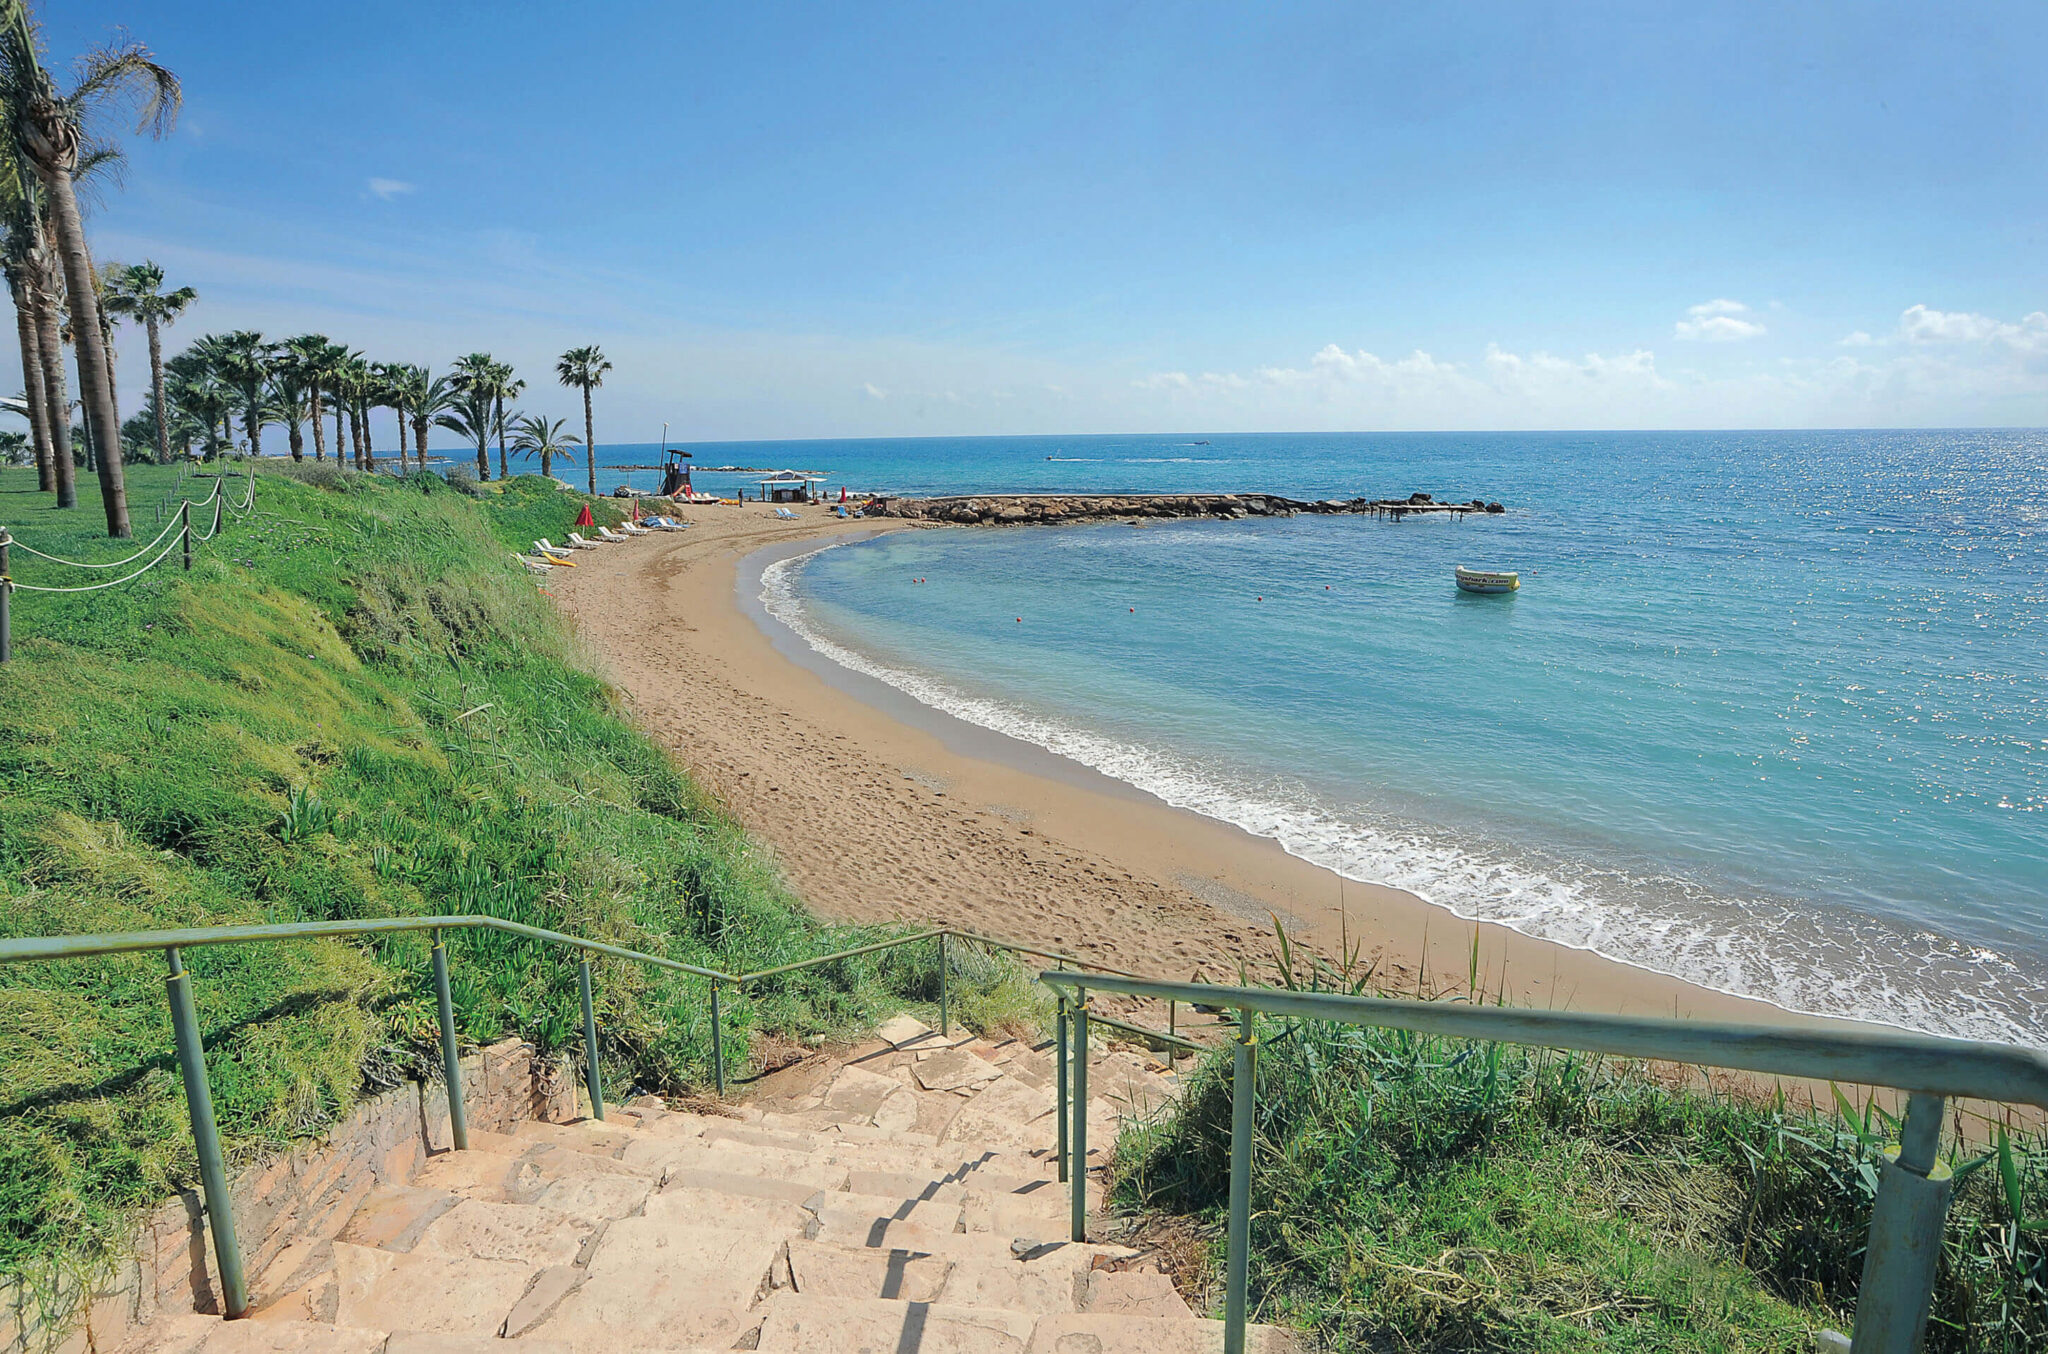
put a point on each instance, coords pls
(244, 362)
(303, 361)
(476, 382)
(138, 293)
(503, 388)
(197, 393)
(469, 414)
(584, 368)
(33, 280)
(420, 398)
(534, 435)
(51, 129)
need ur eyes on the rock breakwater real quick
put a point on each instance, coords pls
(1025, 509)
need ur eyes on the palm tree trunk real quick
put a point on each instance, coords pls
(503, 472)
(92, 358)
(355, 445)
(369, 442)
(319, 439)
(544, 463)
(483, 453)
(338, 444)
(589, 442)
(56, 401)
(252, 424)
(296, 436)
(419, 440)
(32, 384)
(156, 391)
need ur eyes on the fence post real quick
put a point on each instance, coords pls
(717, 1043)
(213, 1171)
(1079, 1136)
(1060, 1071)
(451, 1053)
(1172, 1027)
(590, 1073)
(1905, 1237)
(944, 1033)
(1238, 1238)
(185, 530)
(6, 601)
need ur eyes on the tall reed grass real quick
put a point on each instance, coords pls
(1412, 1192)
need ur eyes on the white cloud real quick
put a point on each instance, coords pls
(390, 188)
(875, 392)
(1859, 339)
(1919, 324)
(1717, 321)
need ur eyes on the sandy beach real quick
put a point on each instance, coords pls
(880, 809)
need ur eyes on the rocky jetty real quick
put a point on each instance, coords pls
(1023, 509)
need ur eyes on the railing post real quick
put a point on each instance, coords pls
(1172, 1027)
(717, 1043)
(1238, 1239)
(1906, 1223)
(451, 1053)
(185, 530)
(213, 1171)
(6, 601)
(590, 1072)
(1079, 1137)
(1060, 1072)
(944, 1033)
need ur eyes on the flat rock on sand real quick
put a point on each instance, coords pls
(1007, 1114)
(955, 1069)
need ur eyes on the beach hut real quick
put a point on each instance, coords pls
(787, 486)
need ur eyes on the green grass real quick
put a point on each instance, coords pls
(354, 705)
(1417, 1193)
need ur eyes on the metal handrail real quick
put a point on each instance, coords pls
(1897, 1287)
(219, 1211)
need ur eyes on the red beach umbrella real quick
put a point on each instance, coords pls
(584, 519)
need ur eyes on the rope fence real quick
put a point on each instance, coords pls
(178, 536)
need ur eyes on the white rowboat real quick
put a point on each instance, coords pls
(1487, 580)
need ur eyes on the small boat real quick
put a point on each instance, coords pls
(1487, 580)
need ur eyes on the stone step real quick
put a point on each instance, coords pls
(1097, 1333)
(936, 1215)
(656, 1284)
(695, 1205)
(190, 1334)
(439, 1294)
(581, 1135)
(1133, 1293)
(794, 1323)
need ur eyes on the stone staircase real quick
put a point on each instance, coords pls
(905, 1199)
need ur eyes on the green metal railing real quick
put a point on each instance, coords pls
(213, 1178)
(1906, 1222)
(1913, 1195)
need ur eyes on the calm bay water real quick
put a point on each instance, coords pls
(1770, 713)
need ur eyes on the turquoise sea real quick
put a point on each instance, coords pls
(1770, 712)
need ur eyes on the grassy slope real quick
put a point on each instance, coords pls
(354, 705)
(1414, 1193)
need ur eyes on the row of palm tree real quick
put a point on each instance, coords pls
(53, 149)
(221, 379)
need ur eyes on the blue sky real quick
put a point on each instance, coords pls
(888, 219)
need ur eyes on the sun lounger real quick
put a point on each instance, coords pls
(666, 523)
(547, 547)
(583, 542)
(629, 529)
(552, 555)
(533, 565)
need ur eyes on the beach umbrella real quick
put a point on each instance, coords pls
(584, 519)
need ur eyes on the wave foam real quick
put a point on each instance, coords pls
(1806, 959)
